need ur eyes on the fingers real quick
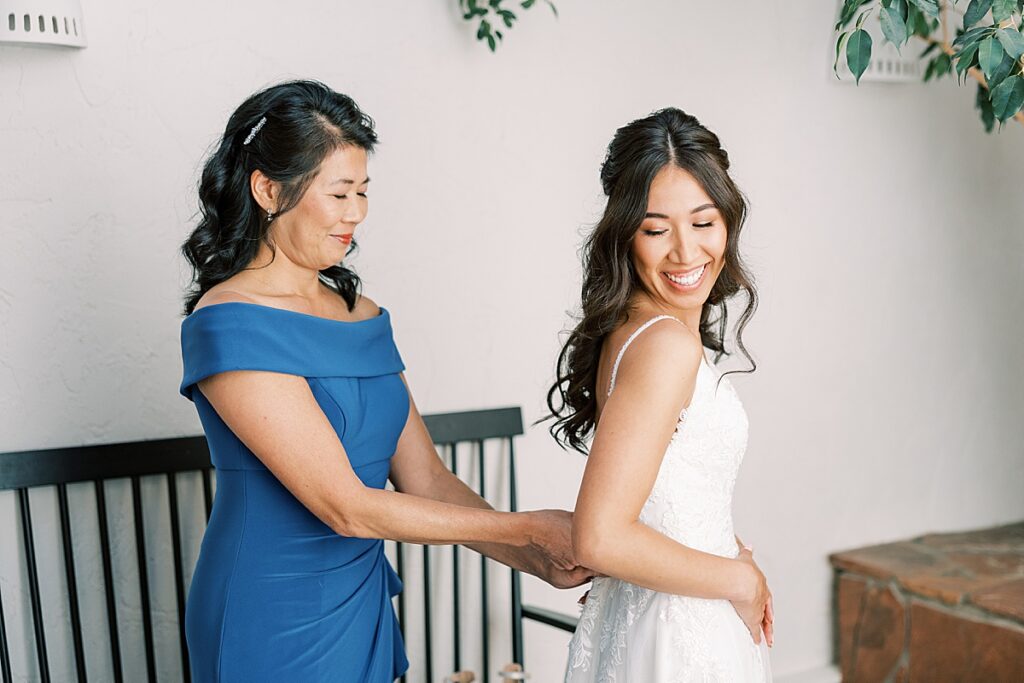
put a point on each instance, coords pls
(769, 620)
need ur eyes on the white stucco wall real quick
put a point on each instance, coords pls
(885, 233)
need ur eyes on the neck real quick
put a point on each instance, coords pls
(688, 316)
(277, 275)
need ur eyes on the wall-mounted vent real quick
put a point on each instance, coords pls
(42, 22)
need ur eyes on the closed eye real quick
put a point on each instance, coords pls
(703, 225)
(655, 233)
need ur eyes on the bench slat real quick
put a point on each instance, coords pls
(69, 574)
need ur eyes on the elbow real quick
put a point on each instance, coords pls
(344, 525)
(590, 545)
(345, 518)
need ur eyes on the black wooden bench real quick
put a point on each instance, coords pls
(466, 439)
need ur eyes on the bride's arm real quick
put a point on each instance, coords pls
(655, 381)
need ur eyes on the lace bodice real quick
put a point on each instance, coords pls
(629, 633)
(691, 500)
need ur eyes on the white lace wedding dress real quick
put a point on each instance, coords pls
(630, 634)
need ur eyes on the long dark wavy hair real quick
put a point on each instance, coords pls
(285, 131)
(637, 152)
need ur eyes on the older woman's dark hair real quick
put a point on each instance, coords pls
(285, 131)
(636, 154)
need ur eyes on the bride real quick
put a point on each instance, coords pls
(681, 598)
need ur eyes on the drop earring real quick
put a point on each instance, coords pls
(270, 215)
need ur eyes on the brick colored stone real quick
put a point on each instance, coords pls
(872, 626)
(947, 646)
(850, 591)
(1006, 538)
(949, 567)
(890, 560)
(1005, 599)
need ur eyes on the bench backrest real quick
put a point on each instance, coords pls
(473, 443)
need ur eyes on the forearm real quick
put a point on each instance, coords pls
(638, 554)
(449, 488)
(376, 513)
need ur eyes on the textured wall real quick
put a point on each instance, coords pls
(886, 235)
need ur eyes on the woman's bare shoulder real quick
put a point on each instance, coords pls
(365, 308)
(666, 348)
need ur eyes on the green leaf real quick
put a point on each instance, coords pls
(932, 47)
(1007, 98)
(943, 65)
(1003, 10)
(976, 11)
(917, 23)
(1001, 71)
(990, 53)
(984, 105)
(964, 59)
(893, 26)
(1012, 41)
(858, 53)
(554, 10)
(929, 7)
(930, 71)
(849, 11)
(839, 49)
(527, 4)
(971, 36)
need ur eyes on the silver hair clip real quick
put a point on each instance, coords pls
(255, 129)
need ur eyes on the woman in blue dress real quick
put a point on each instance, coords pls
(300, 391)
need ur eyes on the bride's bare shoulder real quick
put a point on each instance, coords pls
(666, 348)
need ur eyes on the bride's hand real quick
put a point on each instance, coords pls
(756, 611)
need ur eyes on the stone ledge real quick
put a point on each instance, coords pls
(984, 568)
(942, 607)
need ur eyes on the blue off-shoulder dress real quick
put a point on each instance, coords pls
(276, 594)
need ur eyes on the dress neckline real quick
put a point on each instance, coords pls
(382, 315)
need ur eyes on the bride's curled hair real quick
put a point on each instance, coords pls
(637, 152)
(285, 131)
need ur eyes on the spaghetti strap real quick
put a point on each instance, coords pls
(636, 333)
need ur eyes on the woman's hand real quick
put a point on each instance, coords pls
(550, 550)
(756, 611)
(552, 537)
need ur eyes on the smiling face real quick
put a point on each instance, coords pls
(317, 232)
(679, 249)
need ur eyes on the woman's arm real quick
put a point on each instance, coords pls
(276, 416)
(655, 381)
(417, 470)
